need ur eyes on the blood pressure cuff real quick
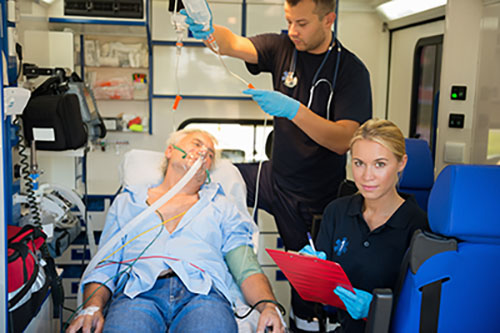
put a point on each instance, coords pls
(55, 122)
(242, 263)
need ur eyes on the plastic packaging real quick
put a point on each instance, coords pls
(200, 13)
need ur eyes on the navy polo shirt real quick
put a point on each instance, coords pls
(302, 167)
(371, 259)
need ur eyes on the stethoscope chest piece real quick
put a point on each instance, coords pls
(290, 80)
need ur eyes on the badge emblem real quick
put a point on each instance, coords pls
(341, 246)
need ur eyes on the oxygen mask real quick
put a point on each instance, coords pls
(193, 154)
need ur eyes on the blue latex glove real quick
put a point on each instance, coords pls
(274, 102)
(308, 250)
(357, 304)
(197, 29)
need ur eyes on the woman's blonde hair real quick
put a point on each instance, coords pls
(384, 132)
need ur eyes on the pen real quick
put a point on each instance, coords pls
(311, 241)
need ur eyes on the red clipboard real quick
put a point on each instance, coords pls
(313, 278)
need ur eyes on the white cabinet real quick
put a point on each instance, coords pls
(117, 70)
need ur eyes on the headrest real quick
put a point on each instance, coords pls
(144, 167)
(419, 170)
(464, 203)
(141, 167)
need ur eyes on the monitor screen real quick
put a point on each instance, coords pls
(172, 5)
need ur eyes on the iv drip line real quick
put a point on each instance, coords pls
(157, 204)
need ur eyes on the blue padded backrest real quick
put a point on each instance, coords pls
(464, 203)
(456, 288)
(469, 295)
(418, 175)
(419, 170)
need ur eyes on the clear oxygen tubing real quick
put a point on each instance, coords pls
(213, 45)
(217, 51)
(136, 220)
(177, 21)
(194, 8)
(254, 209)
(178, 97)
(257, 181)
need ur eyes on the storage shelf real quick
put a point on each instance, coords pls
(107, 21)
(100, 27)
(123, 99)
(109, 30)
(117, 67)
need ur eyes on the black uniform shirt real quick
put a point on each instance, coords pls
(301, 166)
(370, 259)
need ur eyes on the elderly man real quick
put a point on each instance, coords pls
(170, 273)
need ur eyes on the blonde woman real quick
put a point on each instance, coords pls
(368, 233)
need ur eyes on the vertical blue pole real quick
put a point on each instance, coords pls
(150, 70)
(82, 57)
(244, 18)
(5, 189)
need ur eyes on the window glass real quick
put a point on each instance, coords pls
(238, 142)
(425, 89)
(494, 145)
(426, 92)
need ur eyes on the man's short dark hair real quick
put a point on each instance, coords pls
(323, 7)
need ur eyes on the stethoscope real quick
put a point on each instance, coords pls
(290, 80)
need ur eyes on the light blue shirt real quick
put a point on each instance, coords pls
(210, 229)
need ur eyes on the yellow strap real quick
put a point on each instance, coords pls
(142, 233)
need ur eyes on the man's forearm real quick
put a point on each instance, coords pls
(99, 295)
(223, 37)
(256, 288)
(333, 135)
(233, 45)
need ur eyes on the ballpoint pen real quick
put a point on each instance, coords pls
(311, 241)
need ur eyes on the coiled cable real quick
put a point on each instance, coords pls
(25, 174)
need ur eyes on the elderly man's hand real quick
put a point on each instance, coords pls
(87, 320)
(271, 318)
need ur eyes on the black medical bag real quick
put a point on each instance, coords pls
(60, 119)
(62, 111)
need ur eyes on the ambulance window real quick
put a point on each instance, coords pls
(425, 89)
(240, 140)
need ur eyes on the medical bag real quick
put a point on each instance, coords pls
(53, 116)
(27, 282)
(55, 122)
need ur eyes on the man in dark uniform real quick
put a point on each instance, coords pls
(322, 95)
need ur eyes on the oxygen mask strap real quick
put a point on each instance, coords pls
(181, 150)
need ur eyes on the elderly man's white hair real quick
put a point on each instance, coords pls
(181, 134)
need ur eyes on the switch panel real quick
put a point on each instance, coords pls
(454, 152)
(456, 120)
(458, 93)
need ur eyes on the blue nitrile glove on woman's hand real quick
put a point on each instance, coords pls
(275, 103)
(308, 250)
(358, 305)
(197, 29)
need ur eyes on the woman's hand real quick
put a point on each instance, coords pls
(309, 251)
(357, 304)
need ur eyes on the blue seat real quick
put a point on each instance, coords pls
(418, 175)
(452, 283)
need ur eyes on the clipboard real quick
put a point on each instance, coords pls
(313, 278)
